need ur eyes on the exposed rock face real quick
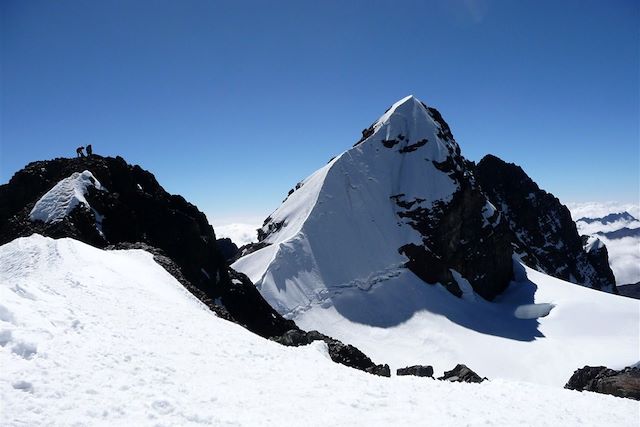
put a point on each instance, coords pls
(134, 208)
(455, 236)
(631, 290)
(464, 234)
(227, 248)
(600, 379)
(543, 232)
(416, 370)
(598, 257)
(461, 374)
(340, 353)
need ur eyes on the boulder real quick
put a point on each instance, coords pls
(416, 370)
(461, 374)
(600, 379)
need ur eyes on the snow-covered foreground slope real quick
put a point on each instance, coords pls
(402, 321)
(90, 337)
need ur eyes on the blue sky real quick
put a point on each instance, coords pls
(230, 103)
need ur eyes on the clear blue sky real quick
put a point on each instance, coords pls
(230, 103)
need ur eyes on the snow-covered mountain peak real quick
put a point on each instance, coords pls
(409, 125)
(390, 203)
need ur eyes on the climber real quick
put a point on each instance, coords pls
(79, 151)
(89, 150)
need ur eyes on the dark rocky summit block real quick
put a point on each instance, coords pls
(600, 379)
(135, 209)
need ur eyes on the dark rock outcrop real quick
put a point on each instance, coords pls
(227, 248)
(416, 370)
(135, 208)
(542, 230)
(457, 235)
(339, 352)
(461, 374)
(598, 258)
(600, 379)
(631, 290)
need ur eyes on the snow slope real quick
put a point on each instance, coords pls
(58, 202)
(405, 322)
(90, 337)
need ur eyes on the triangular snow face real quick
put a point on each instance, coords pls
(395, 200)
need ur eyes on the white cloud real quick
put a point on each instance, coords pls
(593, 228)
(600, 209)
(239, 233)
(624, 258)
(624, 254)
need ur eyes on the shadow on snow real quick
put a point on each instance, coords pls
(512, 315)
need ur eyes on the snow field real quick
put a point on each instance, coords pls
(90, 337)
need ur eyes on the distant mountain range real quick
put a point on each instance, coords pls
(610, 218)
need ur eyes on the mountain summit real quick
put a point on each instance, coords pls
(401, 201)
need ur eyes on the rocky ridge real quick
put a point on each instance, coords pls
(542, 231)
(128, 209)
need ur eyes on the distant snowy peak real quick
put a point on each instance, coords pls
(64, 197)
(612, 217)
(612, 226)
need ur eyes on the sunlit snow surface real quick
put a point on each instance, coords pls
(90, 337)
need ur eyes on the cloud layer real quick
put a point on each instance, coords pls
(239, 233)
(624, 254)
(600, 209)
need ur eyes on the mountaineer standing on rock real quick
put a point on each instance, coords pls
(89, 150)
(79, 151)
